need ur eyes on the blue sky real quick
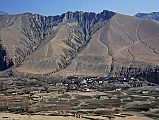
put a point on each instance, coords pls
(54, 7)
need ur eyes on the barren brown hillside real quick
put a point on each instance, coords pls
(124, 42)
(79, 43)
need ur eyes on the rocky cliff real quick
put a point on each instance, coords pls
(81, 43)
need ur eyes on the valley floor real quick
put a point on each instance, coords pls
(10, 116)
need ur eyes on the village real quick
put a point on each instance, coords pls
(81, 97)
(31, 85)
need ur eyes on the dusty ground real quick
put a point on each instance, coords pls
(126, 118)
(10, 116)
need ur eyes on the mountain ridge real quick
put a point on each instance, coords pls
(80, 43)
(3, 13)
(150, 16)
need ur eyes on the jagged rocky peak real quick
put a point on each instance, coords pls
(89, 21)
(80, 16)
(153, 15)
(83, 16)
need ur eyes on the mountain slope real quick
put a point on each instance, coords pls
(25, 33)
(80, 43)
(21, 34)
(124, 42)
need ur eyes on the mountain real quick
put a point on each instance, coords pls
(5, 61)
(153, 15)
(80, 43)
(3, 13)
(24, 34)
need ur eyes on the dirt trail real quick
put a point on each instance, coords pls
(142, 41)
